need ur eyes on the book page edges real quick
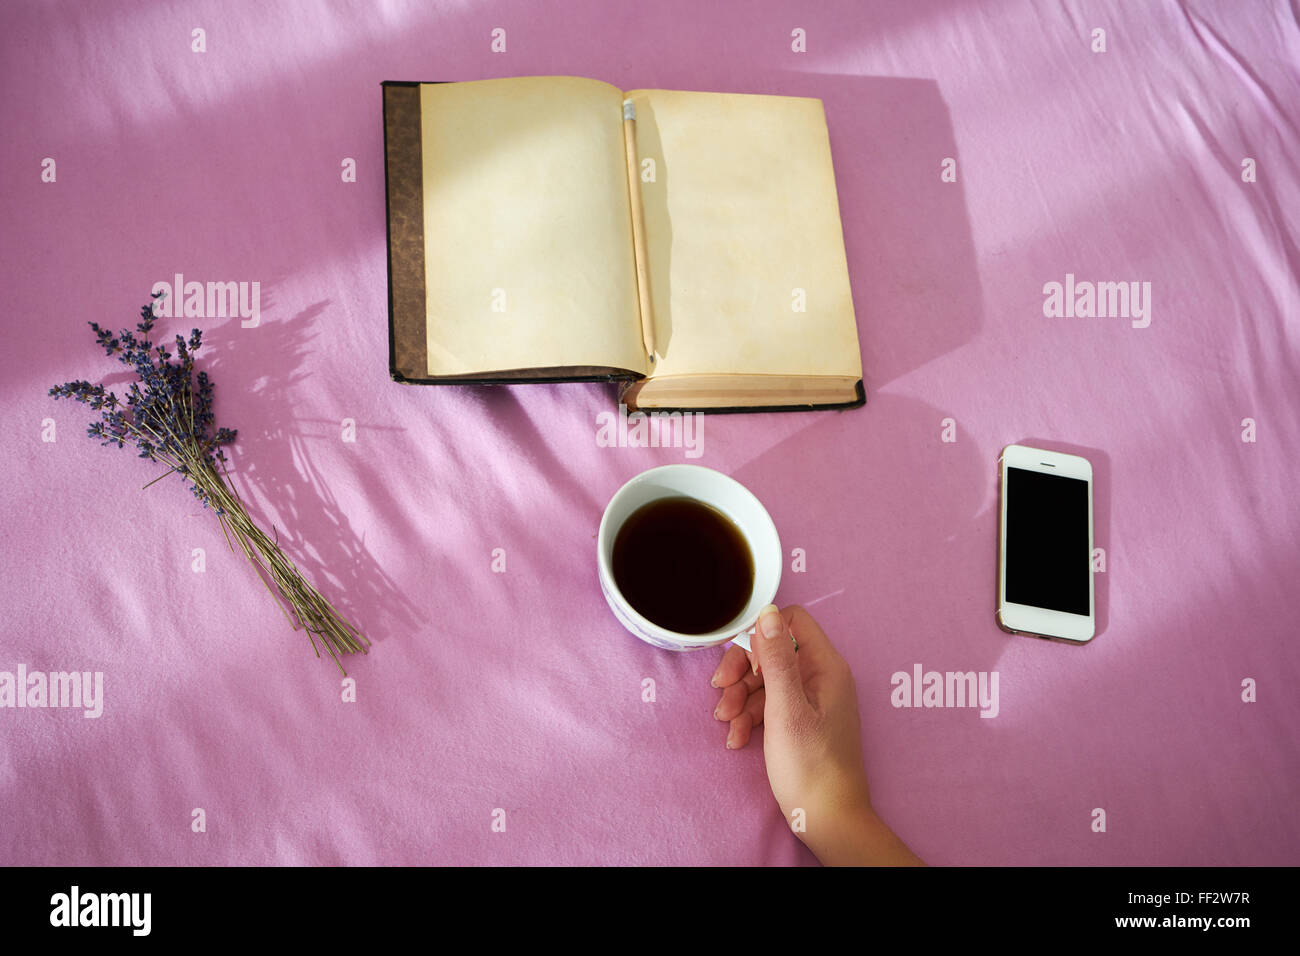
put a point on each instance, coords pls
(743, 392)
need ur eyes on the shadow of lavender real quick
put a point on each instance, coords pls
(273, 469)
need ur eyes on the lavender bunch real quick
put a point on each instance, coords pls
(168, 416)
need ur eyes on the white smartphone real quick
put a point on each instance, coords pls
(1045, 545)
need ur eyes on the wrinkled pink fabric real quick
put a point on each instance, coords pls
(518, 691)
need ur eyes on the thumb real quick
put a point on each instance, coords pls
(774, 646)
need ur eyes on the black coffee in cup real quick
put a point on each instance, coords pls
(683, 565)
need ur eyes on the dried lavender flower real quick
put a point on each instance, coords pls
(168, 418)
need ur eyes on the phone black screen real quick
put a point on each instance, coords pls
(1047, 557)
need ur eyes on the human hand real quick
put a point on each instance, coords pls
(806, 701)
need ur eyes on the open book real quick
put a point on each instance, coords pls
(556, 228)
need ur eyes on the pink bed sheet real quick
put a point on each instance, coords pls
(1167, 159)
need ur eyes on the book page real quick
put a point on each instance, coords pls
(527, 226)
(746, 254)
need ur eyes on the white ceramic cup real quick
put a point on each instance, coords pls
(721, 492)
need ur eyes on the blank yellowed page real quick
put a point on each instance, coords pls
(742, 228)
(527, 228)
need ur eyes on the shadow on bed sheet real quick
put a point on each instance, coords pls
(273, 458)
(889, 516)
(912, 265)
